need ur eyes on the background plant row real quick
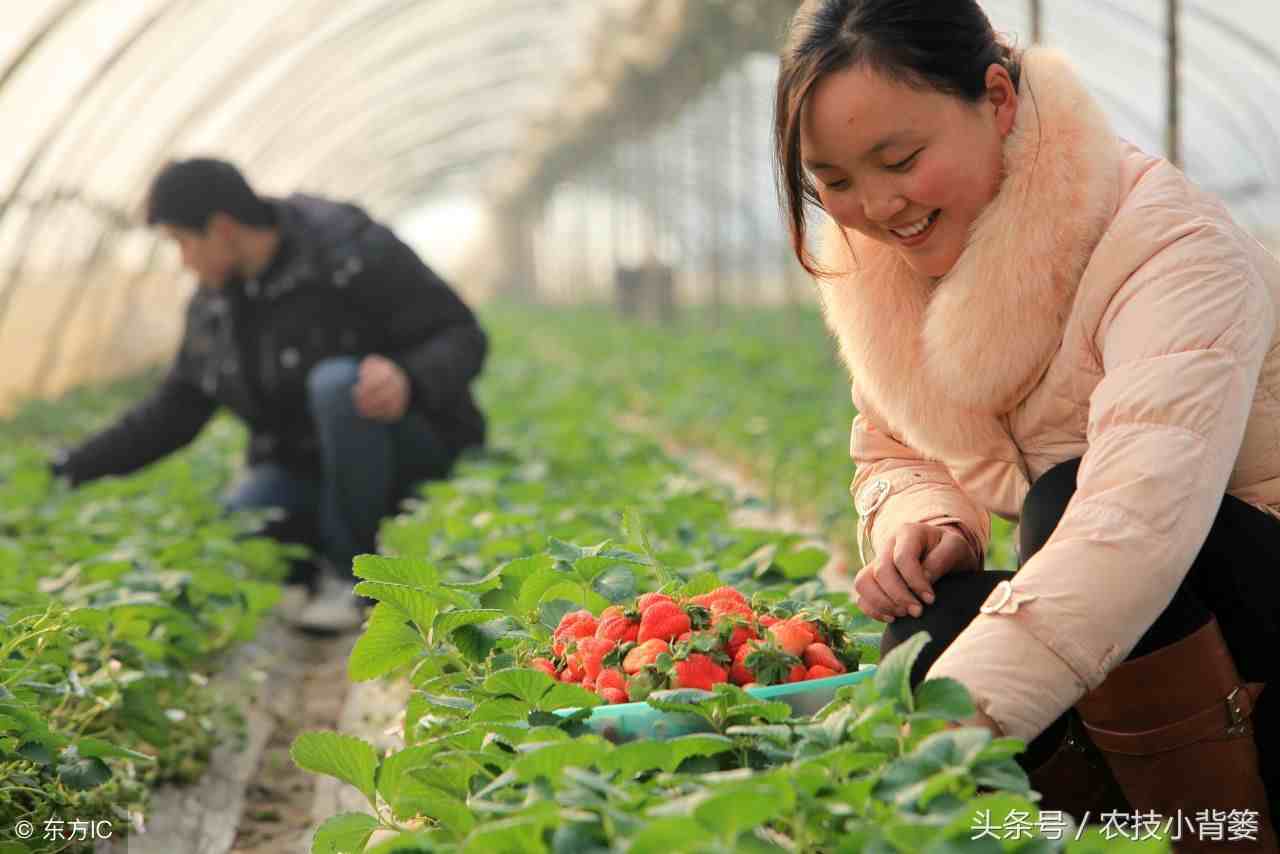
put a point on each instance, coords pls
(764, 388)
(117, 601)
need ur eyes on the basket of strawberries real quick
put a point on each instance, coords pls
(660, 643)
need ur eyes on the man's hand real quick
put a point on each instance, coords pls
(382, 392)
(902, 575)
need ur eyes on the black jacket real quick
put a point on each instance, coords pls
(342, 284)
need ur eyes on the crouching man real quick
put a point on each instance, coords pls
(349, 360)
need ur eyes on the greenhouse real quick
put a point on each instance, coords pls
(639, 425)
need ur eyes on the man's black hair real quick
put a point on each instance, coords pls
(187, 193)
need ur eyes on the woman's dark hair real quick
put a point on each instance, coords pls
(941, 45)
(187, 193)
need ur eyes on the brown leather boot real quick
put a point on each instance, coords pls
(1075, 779)
(1175, 728)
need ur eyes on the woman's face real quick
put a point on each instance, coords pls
(909, 167)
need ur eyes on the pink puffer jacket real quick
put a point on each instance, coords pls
(1104, 308)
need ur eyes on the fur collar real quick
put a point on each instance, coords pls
(941, 362)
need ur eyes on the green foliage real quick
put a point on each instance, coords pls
(115, 599)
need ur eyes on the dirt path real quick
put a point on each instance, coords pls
(251, 798)
(280, 796)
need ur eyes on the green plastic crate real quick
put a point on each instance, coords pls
(627, 721)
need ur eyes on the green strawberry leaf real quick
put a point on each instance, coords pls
(401, 571)
(350, 760)
(449, 621)
(571, 591)
(347, 833)
(567, 696)
(944, 698)
(99, 748)
(523, 683)
(665, 835)
(548, 760)
(82, 773)
(413, 603)
(893, 676)
(388, 642)
(537, 583)
(802, 563)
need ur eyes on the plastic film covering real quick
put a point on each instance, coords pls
(601, 135)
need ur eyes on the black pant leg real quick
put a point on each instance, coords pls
(957, 598)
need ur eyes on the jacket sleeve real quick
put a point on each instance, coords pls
(893, 484)
(428, 330)
(1181, 345)
(162, 423)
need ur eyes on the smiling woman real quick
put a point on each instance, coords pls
(898, 139)
(1044, 322)
(904, 164)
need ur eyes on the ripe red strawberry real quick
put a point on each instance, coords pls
(768, 620)
(731, 607)
(589, 655)
(699, 671)
(574, 625)
(792, 635)
(740, 635)
(611, 678)
(739, 673)
(817, 671)
(685, 637)
(799, 673)
(617, 628)
(648, 599)
(545, 666)
(571, 673)
(575, 618)
(612, 695)
(720, 594)
(815, 631)
(644, 654)
(820, 655)
(664, 621)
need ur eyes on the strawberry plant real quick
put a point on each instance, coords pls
(116, 601)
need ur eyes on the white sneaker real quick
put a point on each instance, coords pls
(333, 610)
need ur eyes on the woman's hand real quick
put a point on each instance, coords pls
(902, 575)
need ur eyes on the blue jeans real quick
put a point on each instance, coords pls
(367, 467)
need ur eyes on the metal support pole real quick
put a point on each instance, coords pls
(715, 122)
(1037, 21)
(751, 236)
